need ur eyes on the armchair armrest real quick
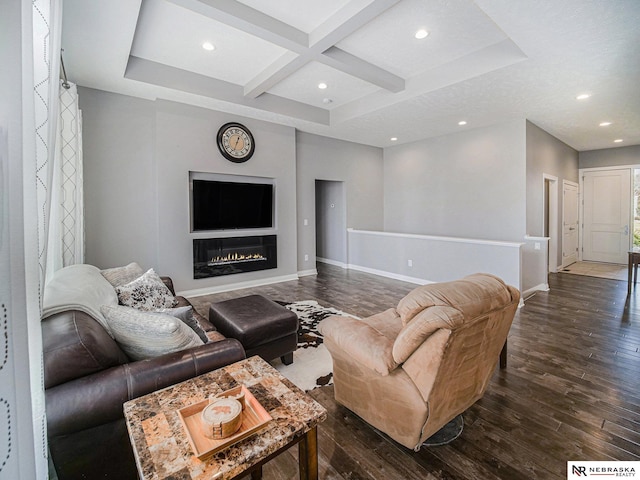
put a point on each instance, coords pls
(97, 399)
(359, 341)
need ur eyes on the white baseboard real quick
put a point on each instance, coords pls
(237, 286)
(396, 276)
(543, 287)
(307, 273)
(332, 262)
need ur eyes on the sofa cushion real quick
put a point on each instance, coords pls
(118, 276)
(78, 287)
(148, 334)
(185, 314)
(147, 292)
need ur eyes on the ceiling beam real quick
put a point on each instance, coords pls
(249, 20)
(350, 18)
(284, 66)
(344, 61)
(318, 46)
(154, 73)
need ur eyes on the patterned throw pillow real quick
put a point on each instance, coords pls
(186, 315)
(147, 293)
(143, 335)
(118, 276)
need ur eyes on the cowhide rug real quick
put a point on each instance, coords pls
(312, 365)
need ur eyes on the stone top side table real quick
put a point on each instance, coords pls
(161, 446)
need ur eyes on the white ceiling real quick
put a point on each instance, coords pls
(484, 61)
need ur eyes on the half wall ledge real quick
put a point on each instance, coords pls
(427, 259)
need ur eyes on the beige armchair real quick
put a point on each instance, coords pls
(411, 369)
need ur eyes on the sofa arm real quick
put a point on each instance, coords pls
(97, 399)
(359, 341)
(169, 284)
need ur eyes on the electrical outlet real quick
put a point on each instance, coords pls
(306, 258)
(306, 222)
(410, 263)
(536, 246)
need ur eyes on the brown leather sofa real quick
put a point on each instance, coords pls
(411, 369)
(88, 378)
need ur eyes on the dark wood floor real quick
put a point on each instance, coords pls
(570, 390)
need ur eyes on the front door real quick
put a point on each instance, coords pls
(607, 212)
(569, 223)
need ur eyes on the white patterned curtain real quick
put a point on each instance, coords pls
(46, 67)
(66, 226)
(46, 37)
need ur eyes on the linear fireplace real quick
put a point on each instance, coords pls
(213, 257)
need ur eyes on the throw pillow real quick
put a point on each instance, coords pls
(144, 335)
(147, 292)
(119, 276)
(186, 315)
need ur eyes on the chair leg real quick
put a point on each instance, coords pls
(503, 356)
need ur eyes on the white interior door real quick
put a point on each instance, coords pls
(607, 213)
(569, 223)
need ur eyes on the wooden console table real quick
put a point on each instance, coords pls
(162, 450)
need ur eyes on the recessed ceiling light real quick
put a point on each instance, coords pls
(583, 96)
(422, 33)
(617, 140)
(208, 46)
(605, 124)
(393, 139)
(322, 86)
(462, 122)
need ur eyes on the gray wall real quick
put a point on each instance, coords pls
(138, 155)
(358, 166)
(610, 157)
(479, 183)
(546, 154)
(121, 216)
(469, 184)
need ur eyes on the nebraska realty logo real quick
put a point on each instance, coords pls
(581, 470)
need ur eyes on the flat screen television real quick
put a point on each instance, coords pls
(218, 205)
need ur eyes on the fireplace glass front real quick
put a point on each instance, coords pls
(213, 257)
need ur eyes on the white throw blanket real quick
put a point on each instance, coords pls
(79, 287)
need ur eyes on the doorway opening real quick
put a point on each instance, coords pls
(331, 222)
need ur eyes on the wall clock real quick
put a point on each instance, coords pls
(235, 142)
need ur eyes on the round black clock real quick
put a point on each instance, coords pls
(236, 142)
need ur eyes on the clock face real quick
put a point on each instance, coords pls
(236, 142)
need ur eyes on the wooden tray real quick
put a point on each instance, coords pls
(254, 417)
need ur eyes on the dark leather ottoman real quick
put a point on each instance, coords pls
(263, 327)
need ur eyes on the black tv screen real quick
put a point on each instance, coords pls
(220, 205)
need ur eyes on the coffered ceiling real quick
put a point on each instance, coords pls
(482, 62)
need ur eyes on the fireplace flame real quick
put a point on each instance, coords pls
(235, 258)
